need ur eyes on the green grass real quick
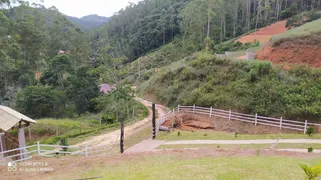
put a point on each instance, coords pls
(144, 134)
(178, 167)
(306, 29)
(246, 146)
(204, 135)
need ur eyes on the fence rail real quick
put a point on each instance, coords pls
(49, 150)
(249, 118)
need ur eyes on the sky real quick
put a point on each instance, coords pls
(80, 8)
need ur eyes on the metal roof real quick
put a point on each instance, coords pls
(10, 117)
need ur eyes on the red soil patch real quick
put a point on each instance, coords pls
(202, 122)
(291, 52)
(264, 34)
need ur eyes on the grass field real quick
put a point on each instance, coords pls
(304, 30)
(205, 135)
(178, 167)
(247, 146)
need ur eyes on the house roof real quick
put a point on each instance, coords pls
(9, 118)
(105, 88)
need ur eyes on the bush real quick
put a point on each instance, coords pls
(310, 149)
(108, 118)
(310, 131)
(64, 142)
(302, 18)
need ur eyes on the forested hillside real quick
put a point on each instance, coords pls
(48, 62)
(150, 24)
(88, 22)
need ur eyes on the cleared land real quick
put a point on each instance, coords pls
(301, 45)
(264, 34)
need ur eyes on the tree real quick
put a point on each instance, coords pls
(41, 101)
(83, 86)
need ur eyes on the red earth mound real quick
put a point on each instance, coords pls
(293, 53)
(194, 122)
(264, 34)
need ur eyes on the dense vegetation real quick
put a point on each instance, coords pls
(49, 67)
(250, 87)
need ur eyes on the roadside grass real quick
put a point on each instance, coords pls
(145, 133)
(51, 131)
(208, 135)
(245, 146)
(179, 167)
(303, 30)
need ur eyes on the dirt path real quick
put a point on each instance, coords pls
(263, 141)
(113, 137)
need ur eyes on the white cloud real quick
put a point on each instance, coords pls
(80, 8)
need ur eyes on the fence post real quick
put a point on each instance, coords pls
(38, 147)
(154, 121)
(86, 150)
(305, 126)
(194, 109)
(256, 119)
(122, 135)
(229, 115)
(211, 112)
(178, 108)
(281, 122)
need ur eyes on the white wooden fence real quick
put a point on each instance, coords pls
(46, 150)
(255, 119)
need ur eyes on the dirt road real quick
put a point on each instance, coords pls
(114, 137)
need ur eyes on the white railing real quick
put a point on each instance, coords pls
(48, 150)
(255, 119)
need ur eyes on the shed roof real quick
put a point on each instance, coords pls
(10, 117)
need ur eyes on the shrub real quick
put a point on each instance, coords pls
(64, 142)
(108, 118)
(310, 131)
(311, 172)
(310, 149)
(300, 19)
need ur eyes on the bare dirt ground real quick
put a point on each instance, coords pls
(197, 122)
(82, 164)
(264, 34)
(113, 137)
(293, 52)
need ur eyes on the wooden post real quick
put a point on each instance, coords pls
(29, 132)
(281, 122)
(38, 147)
(121, 135)
(178, 108)
(86, 150)
(229, 115)
(211, 112)
(154, 121)
(256, 119)
(194, 109)
(305, 126)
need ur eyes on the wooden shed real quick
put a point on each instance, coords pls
(9, 120)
